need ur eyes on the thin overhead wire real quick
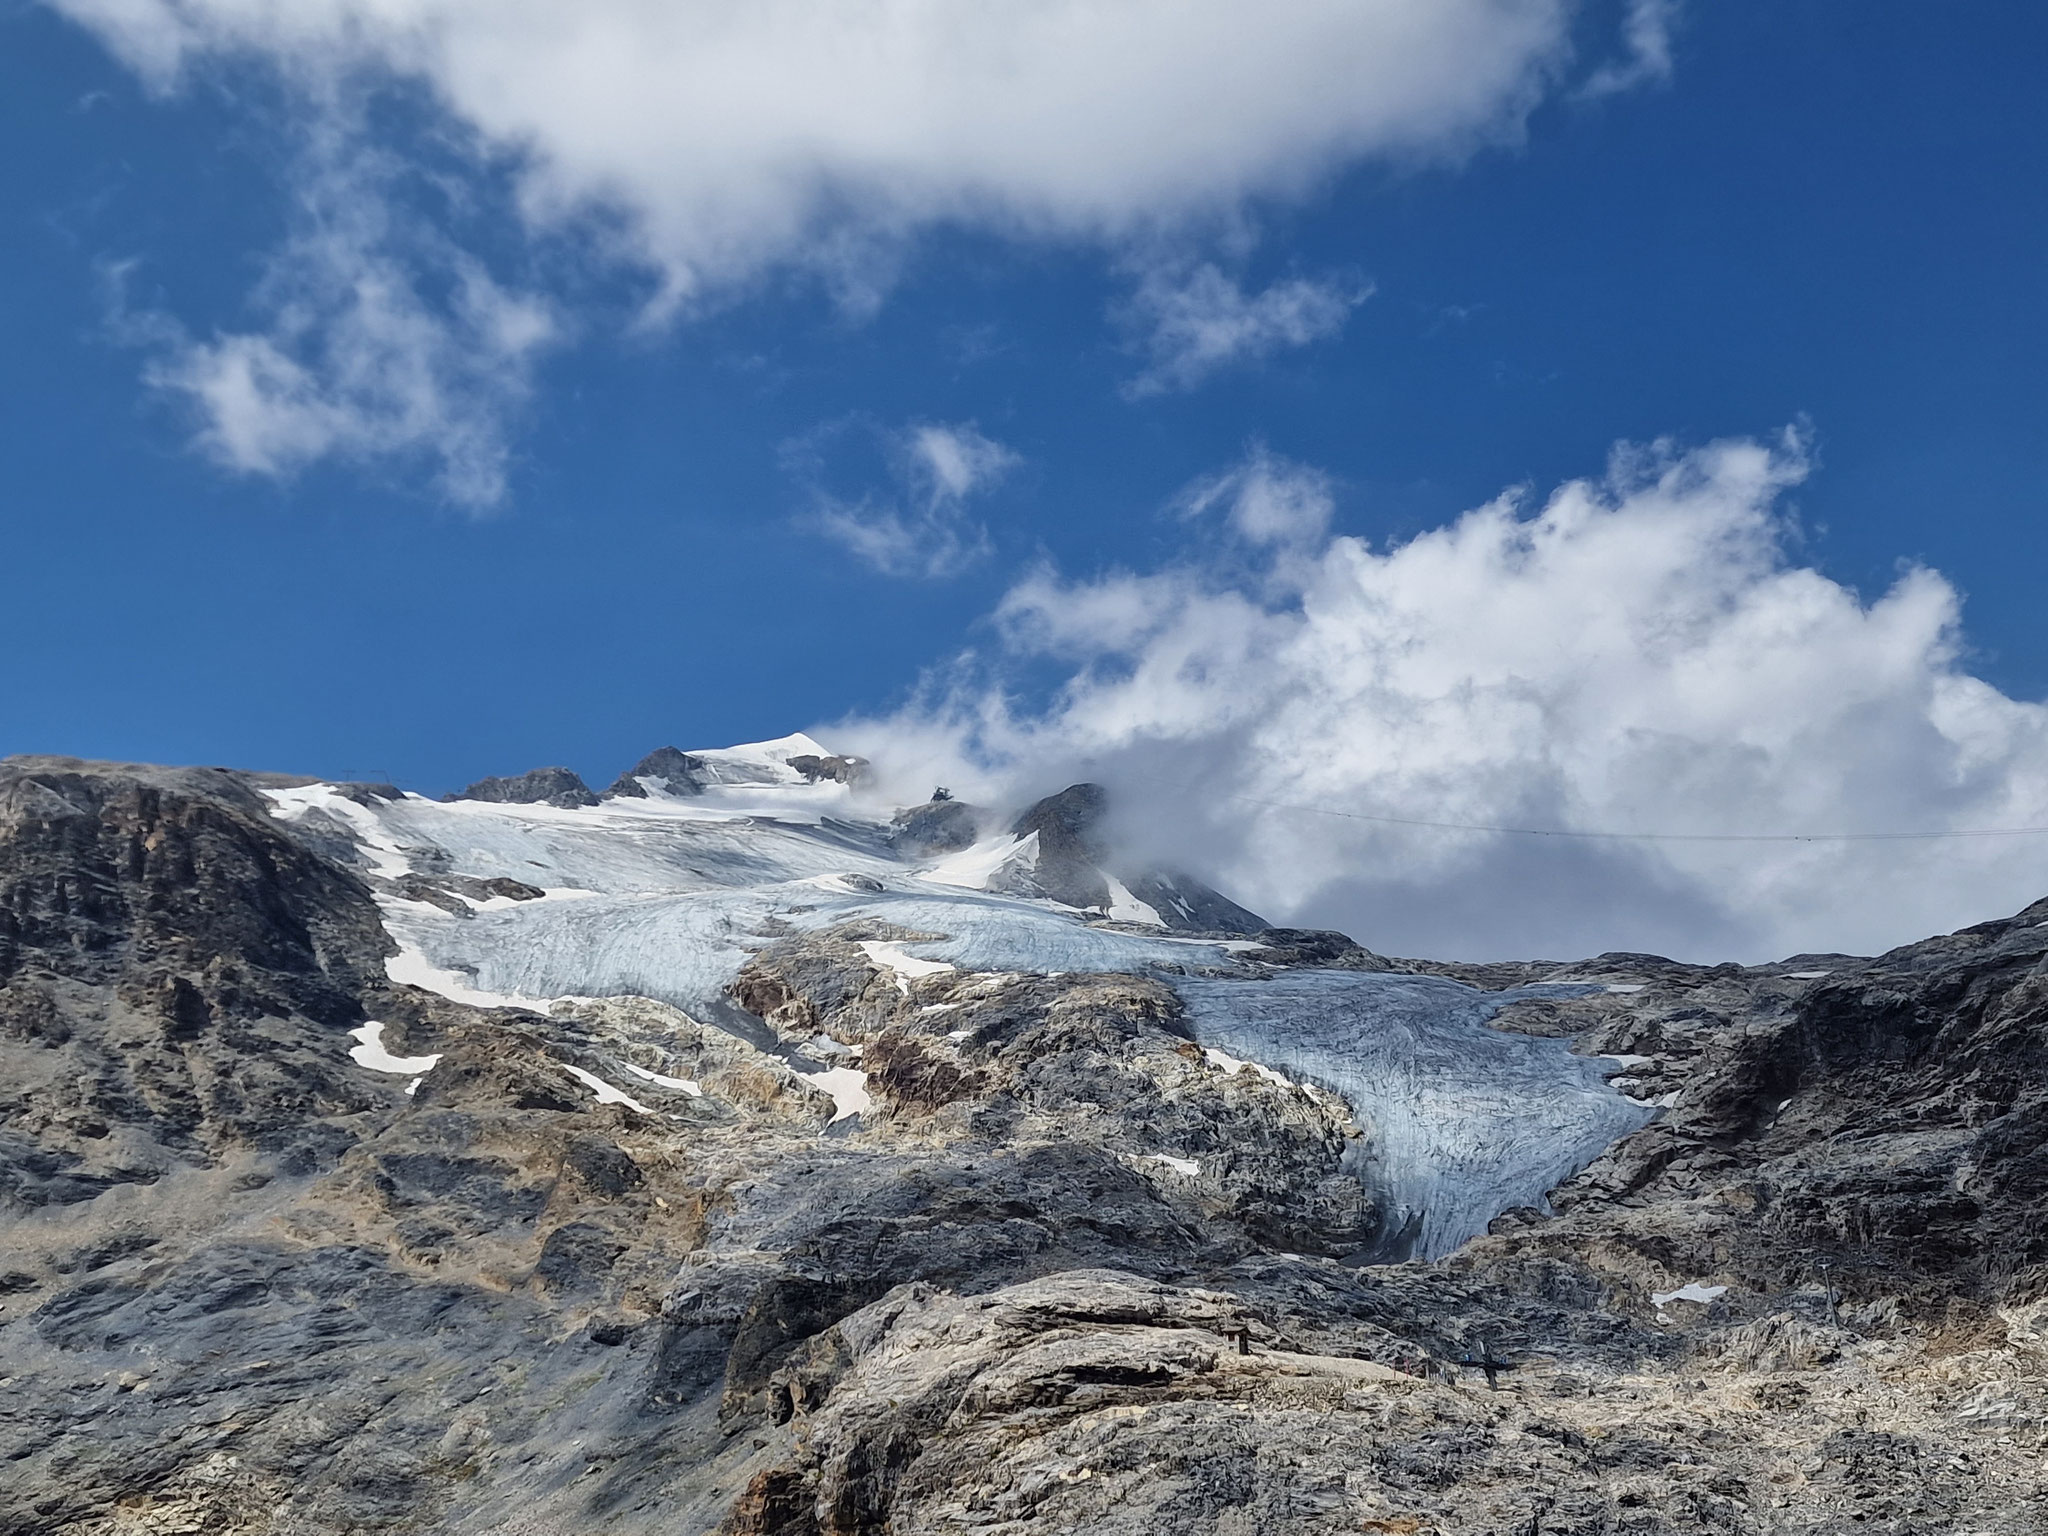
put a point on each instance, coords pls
(1649, 837)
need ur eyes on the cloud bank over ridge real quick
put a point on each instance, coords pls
(1636, 654)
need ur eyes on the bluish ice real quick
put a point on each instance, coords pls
(669, 901)
(1462, 1121)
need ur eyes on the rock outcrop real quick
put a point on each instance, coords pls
(837, 769)
(560, 787)
(934, 828)
(1074, 866)
(679, 773)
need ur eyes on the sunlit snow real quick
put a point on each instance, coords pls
(1126, 908)
(906, 968)
(847, 1087)
(371, 1053)
(606, 1093)
(1233, 1066)
(975, 867)
(1692, 1291)
(680, 1084)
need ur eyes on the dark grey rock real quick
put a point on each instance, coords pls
(936, 827)
(560, 787)
(841, 770)
(1070, 849)
(1184, 902)
(1075, 860)
(681, 774)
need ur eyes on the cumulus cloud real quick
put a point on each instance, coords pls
(733, 131)
(922, 528)
(704, 143)
(1637, 654)
(1195, 321)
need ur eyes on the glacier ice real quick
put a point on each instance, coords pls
(1462, 1121)
(668, 897)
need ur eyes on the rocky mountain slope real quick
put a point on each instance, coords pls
(742, 1156)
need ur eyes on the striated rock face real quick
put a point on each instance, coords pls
(558, 787)
(1886, 1116)
(878, 1236)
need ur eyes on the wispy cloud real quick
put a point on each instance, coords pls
(920, 525)
(1191, 322)
(1646, 35)
(1267, 500)
(373, 340)
(703, 143)
(1634, 654)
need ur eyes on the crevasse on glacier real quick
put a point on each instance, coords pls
(666, 898)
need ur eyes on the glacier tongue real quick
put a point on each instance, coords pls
(1462, 1121)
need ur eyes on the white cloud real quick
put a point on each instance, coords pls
(1193, 322)
(949, 464)
(707, 142)
(1270, 499)
(1636, 655)
(736, 132)
(924, 530)
(1646, 33)
(351, 359)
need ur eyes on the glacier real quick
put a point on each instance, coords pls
(1462, 1121)
(667, 897)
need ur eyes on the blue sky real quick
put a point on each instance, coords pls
(1818, 214)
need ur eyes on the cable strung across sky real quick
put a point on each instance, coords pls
(1650, 837)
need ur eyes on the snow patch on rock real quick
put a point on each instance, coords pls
(371, 1053)
(848, 1088)
(1691, 1291)
(606, 1093)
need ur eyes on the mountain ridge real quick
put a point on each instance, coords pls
(620, 1262)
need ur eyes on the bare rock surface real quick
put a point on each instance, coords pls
(560, 787)
(885, 1244)
(677, 773)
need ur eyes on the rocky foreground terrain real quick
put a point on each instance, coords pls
(611, 1265)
